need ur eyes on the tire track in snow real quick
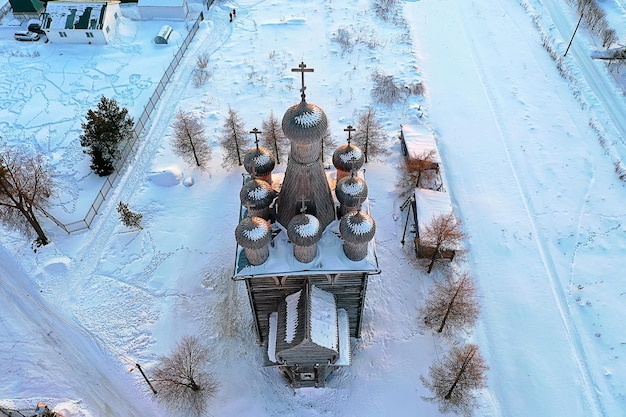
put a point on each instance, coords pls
(559, 295)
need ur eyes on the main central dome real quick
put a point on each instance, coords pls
(305, 123)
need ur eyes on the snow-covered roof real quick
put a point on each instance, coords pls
(66, 14)
(162, 3)
(271, 339)
(323, 319)
(292, 315)
(420, 139)
(330, 257)
(430, 204)
(345, 354)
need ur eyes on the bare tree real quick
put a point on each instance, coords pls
(273, 137)
(328, 145)
(421, 171)
(455, 379)
(451, 305)
(189, 141)
(443, 233)
(609, 36)
(369, 135)
(181, 379)
(128, 217)
(234, 139)
(25, 186)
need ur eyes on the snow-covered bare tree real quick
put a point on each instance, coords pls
(451, 305)
(189, 140)
(182, 380)
(369, 135)
(128, 217)
(273, 137)
(104, 130)
(26, 184)
(234, 140)
(455, 379)
(444, 232)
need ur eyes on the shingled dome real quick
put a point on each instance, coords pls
(259, 161)
(305, 123)
(357, 227)
(253, 233)
(351, 191)
(256, 194)
(304, 230)
(348, 158)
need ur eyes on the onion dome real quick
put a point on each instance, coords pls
(348, 158)
(305, 123)
(253, 233)
(304, 230)
(259, 161)
(357, 227)
(351, 191)
(256, 194)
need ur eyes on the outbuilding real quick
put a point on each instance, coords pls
(163, 9)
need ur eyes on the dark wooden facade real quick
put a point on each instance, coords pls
(266, 294)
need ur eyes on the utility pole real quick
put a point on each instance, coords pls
(575, 29)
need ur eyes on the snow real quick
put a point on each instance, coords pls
(311, 228)
(271, 337)
(431, 204)
(291, 322)
(420, 139)
(309, 118)
(355, 153)
(345, 356)
(323, 320)
(528, 158)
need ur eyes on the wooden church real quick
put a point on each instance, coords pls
(305, 249)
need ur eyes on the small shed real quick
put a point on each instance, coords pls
(163, 9)
(24, 9)
(417, 141)
(164, 35)
(428, 205)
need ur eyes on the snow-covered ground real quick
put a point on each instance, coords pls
(527, 174)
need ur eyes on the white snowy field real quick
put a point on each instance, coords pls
(527, 174)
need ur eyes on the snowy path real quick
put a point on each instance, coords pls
(513, 133)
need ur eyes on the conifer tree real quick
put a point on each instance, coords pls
(234, 140)
(103, 131)
(189, 140)
(273, 137)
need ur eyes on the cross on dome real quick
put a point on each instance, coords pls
(349, 129)
(302, 69)
(256, 137)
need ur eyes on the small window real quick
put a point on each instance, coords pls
(107, 29)
(89, 34)
(307, 376)
(63, 34)
(116, 16)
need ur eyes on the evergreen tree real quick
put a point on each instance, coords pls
(128, 217)
(104, 130)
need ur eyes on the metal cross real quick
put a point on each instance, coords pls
(304, 207)
(302, 69)
(256, 138)
(349, 129)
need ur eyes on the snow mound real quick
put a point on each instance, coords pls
(71, 409)
(57, 265)
(167, 177)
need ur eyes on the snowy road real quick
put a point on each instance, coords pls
(494, 111)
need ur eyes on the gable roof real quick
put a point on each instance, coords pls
(75, 15)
